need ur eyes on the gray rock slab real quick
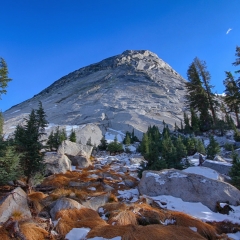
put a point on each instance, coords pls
(188, 187)
(56, 163)
(74, 149)
(221, 167)
(64, 203)
(14, 201)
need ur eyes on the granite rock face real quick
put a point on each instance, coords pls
(132, 90)
(189, 187)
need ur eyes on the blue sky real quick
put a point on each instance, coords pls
(43, 40)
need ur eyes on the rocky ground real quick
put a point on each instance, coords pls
(106, 200)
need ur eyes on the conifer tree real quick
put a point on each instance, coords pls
(10, 168)
(235, 170)
(232, 98)
(187, 128)
(237, 61)
(115, 146)
(27, 139)
(199, 95)
(72, 136)
(194, 122)
(103, 145)
(212, 148)
(1, 124)
(4, 79)
(200, 147)
(50, 141)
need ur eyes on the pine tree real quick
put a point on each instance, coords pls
(72, 136)
(41, 117)
(232, 98)
(62, 135)
(194, 122)
(212, 148)
(235, 171)
(4, 79)
(103, 145)
(199, 96)
(144, 146)
(200, 147)
(1, 124)
(237, 61)
(127, 138)
(10, 168)
(205, 79)
(187, 128)
(50, 141)
(27, 140)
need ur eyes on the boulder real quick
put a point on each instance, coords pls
(219, 159)
(74, 149)
(80, 161)
(137, 159)
(221, 167)
(189, 187)
(89, 131)
(16, 200)
(64, 203)
(56, 163)
(96, 202)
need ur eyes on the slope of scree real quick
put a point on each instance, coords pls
(133, 89)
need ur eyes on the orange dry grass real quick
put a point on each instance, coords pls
(4, 234)
(149, 214)
(156, 232)
(123, 218)
(17, 215)
(56, 181)
(111, 207)
(32, 232)
(182, 219)
(36, 196)
(77, 218)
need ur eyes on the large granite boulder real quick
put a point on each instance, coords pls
(56, 163)
(221, 167)
(89, 132)
(14, 201)
(74, 149)
(189, 187)
(64, 203)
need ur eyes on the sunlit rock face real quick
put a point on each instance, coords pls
(132, 90)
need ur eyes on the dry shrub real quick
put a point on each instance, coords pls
(36, 196)
(32, 232)
(155, 232)
(225, 227)
(77, 218)
(123, 218)
(112, 198)
(148, 215)
(34, 200)
(111, 207)
(17, 215)
(185, 220)
(58, 180)
(4, 234)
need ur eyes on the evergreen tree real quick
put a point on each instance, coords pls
(115, 146)
(200, 147)
(62, 135)
(103, 145)
(194, 122)
(4, 79)
(27, 140)
(235, 171)
(144, 146)
(232, 98)
(41, 117)
(212, 148)
(10, 168)
(1, 124)
(199, 95)
(237, 61)
(127, 138)
(72, 136)
(205, 79)
(181, 152)
(50, 141)
(187, 128)
(89, 142)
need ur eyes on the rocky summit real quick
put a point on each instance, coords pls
(132, 90)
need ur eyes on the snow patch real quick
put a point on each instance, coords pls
(77, 233)
(203, 171)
